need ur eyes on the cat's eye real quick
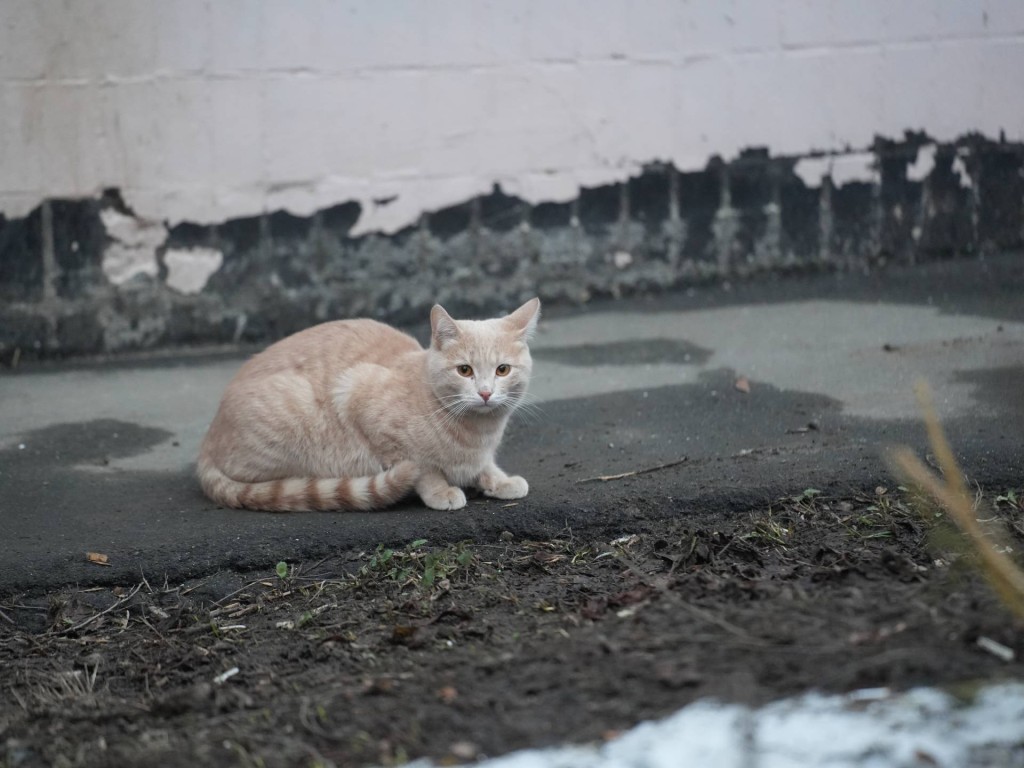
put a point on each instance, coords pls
(465, 370)
(503, 369)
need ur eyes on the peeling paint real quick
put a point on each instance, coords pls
(841, 169)
(923, 165)
(188, 270)
(66, 269)
(856, 167)
(132, 246)
(812, 171)
(622, 259)
(962, 174)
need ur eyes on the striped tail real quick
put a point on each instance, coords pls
(301, 494)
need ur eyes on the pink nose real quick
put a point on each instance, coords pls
(485, 395)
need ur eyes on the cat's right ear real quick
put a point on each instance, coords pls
(443, 329)
(524, 320)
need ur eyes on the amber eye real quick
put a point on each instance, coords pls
(503, 369)
(465, 370)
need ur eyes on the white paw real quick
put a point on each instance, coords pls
(450, 498)
(514, 488)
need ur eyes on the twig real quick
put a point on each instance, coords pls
(998, 650)
(633, 473)
(6, 618)
(17, 697)
(223, 677)
(155, 630)
(317, 564)
(240, 589)
(93, 618)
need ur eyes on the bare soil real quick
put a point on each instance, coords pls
(463, 651)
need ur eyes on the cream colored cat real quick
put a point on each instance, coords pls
(353, 414)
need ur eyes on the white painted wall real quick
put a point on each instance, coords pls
(208, 109)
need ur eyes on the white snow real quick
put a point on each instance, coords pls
(863, 729)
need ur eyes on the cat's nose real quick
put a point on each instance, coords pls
(486, 395)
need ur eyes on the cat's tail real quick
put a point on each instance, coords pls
(301, 494)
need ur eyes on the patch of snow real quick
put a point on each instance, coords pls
(924, 726)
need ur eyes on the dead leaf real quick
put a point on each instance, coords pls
(376, 686)
(447, 694)
(97, 558)
(743, 385)
(404, 634)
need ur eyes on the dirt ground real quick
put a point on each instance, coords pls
(476, 649)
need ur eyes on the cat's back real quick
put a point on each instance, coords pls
(330, 348)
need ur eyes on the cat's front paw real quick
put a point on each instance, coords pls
(449, 498)
(511, 488)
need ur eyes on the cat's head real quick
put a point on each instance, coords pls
(481, 366)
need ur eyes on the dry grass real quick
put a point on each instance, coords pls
(1006, 578)
(58, 689)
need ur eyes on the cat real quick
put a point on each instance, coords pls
(355, 415)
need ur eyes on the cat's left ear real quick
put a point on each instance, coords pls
(523, 321)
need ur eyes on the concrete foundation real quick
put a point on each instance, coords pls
(88, 276)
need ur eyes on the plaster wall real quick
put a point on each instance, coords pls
(205, 111)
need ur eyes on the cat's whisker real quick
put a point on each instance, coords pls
(448, 402)
(454, 412)
(522, 400)
(527, 409)
(444, 408)
(527, 405)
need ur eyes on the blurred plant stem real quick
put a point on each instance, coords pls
(951, 492)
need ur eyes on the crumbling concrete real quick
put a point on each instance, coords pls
(88, 276)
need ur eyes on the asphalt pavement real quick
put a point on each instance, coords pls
(751, 391)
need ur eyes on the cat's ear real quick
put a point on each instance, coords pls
(523, 321)
(443, 329)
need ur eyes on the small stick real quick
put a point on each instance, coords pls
(633, 473)
(998, 650)
(232, 594)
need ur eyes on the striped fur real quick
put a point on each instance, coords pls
(300, 494)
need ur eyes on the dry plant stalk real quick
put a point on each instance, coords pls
(1005, 577)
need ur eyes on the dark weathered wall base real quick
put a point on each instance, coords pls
(659, 230)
